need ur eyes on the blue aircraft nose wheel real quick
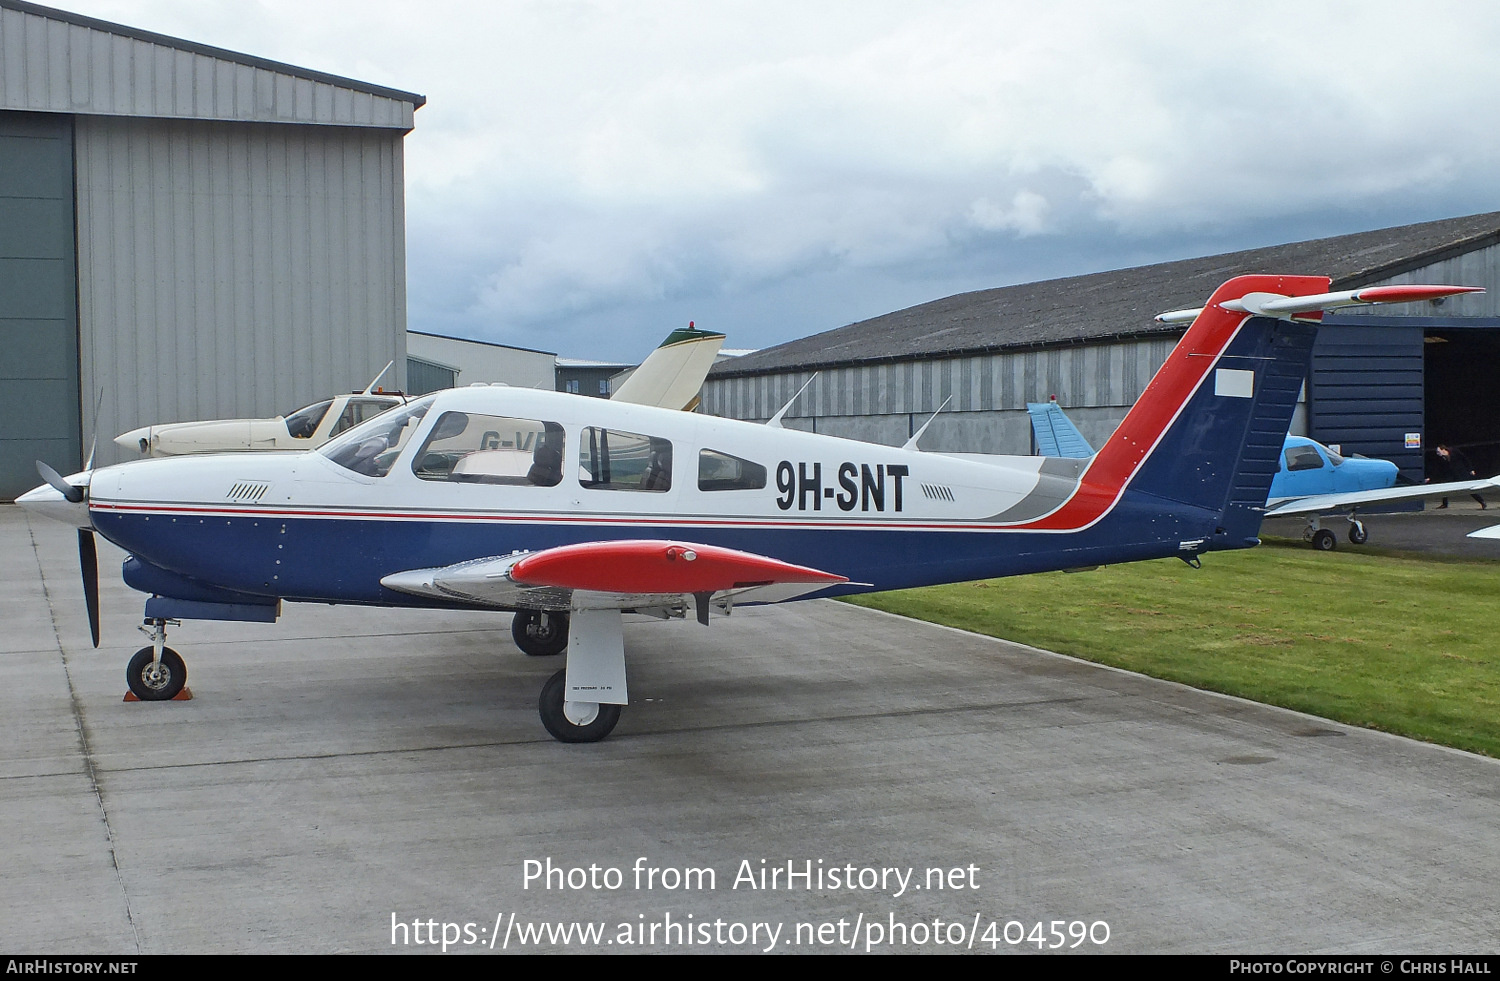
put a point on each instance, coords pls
(1357, 533)
(156, 682)
(574, 722)
(540, 634)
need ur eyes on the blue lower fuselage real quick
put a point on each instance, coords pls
(271, 555)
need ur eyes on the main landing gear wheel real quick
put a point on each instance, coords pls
(574, 722)
(1324, 540)
(158, 682)
(1357, 533)
(540, 634)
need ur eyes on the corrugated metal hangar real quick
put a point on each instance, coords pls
(185, 233)
(435, 362)
(1386, 383)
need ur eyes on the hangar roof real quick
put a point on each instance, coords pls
(57, 61)
(1114, 304)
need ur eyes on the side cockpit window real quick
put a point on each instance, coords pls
(359, 410)
(470, 448)
(304, 422)
(372, 447)
(613, 460)
(720, 471)
(1303, 458)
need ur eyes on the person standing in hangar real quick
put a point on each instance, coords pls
(1450, 464)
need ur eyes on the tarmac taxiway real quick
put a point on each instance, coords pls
(349, 769)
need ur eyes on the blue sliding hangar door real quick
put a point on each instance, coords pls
(38, 300)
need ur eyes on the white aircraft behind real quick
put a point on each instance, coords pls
(670, 377)
(307, 428)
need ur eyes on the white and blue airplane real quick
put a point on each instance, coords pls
(570, 511)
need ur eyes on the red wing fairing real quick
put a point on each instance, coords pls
(658, 567)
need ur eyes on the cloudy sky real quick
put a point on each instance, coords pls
(588, 175)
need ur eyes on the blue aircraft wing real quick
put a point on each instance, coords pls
(1320, 503)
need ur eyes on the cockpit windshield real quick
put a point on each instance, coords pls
(372, 447)
(304, 422)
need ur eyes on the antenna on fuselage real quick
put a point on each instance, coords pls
(775, 421)
(370, 388)
(94, 442)
(911, 444)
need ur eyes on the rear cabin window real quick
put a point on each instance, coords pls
(470, 448)
(612, 460)
(721, 471)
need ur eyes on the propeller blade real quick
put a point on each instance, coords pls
(88, 562)
(72, 493)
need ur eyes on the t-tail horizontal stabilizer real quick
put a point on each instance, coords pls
(1279, 305)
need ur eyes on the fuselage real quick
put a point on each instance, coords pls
(406, 492)
(308, 428)
(1308, 467)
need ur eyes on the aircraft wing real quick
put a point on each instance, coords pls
(617, 575)
(1320, 503)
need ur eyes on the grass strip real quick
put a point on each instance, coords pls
(1392, 642)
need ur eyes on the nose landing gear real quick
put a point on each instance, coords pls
(156, 673)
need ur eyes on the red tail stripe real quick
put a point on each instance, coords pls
(1169, 391)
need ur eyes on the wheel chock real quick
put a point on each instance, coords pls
(186, 695)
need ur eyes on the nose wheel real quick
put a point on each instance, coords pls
(156, 673)
(153, 679)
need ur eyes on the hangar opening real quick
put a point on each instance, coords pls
(1462, 398)
(1396, 388)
